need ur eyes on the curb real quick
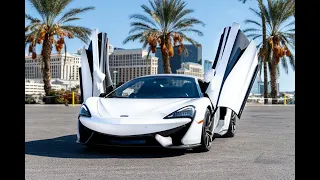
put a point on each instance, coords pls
(271, 105)
(52, 105)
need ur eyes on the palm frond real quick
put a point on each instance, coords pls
(284, 65)
(33, 26)
(243, 1)
(288, 25)
(71, 19)
(132, 38)
(292, 62)
(259, 45)
(142, 18)
(37, 4)
(199, 33)
(248, 21)
(140, 24)
(251, 30)
(181, 13)
(147, 57)
(69, 15)
(157, 13)
(32, 19)
(79, 32)
(192, 41)
(291, 30)
(256, 12)
(141, 29)
(187, 22)
(254, 36)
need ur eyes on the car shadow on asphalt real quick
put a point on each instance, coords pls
(66, 147)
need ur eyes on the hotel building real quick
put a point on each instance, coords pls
(127, 64)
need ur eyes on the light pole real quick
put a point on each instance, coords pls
(70, 81)
(115, 78)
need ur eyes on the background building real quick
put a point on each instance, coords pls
(35, 87)
(190, 68)
(131, 63)
(207, 64)
(258, 87)
(67, 76)
(194, 55)
(70, 72)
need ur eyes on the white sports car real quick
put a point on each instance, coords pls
(168, 110)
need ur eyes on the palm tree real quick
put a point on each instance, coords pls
(48, 31)
(262, 59)
(280, 38)
(164, 24)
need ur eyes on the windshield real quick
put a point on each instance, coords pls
(155, 87)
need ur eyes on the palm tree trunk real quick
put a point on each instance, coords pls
(265, 80)
(264, 46)
(166, 63)
(273, 77)
(46, 52)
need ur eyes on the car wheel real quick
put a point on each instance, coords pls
(232, 126)
(207, 135)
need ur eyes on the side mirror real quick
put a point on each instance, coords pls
(108, 90)
(103, 94)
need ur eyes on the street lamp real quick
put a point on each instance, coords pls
(115, 78)
(70, 81)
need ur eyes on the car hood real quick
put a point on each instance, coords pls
(139, 108)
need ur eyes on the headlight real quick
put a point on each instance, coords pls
(186, 112)
(84, 111)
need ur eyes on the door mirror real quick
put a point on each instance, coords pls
(108, 90)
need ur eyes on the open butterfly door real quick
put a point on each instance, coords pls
(236, 67)
(94, 72)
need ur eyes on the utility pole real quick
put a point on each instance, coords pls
(70, 81)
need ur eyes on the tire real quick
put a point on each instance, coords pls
(232, 125)
(206, 135)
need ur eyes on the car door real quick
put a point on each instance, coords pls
(94, 71)
(236, 66)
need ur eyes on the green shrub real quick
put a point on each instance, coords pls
(62, 97)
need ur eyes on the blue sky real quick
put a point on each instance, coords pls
(112, 17)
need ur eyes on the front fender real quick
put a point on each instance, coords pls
(193, 135)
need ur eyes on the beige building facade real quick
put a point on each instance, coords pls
(190, 68)
(70, 72)
(127, 64)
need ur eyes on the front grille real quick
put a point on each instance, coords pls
(99, 138)
(89, 136)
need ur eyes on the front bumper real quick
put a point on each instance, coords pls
(88, 136)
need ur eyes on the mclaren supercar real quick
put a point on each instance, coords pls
(167, 110)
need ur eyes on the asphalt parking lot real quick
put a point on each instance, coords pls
(263, 148)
